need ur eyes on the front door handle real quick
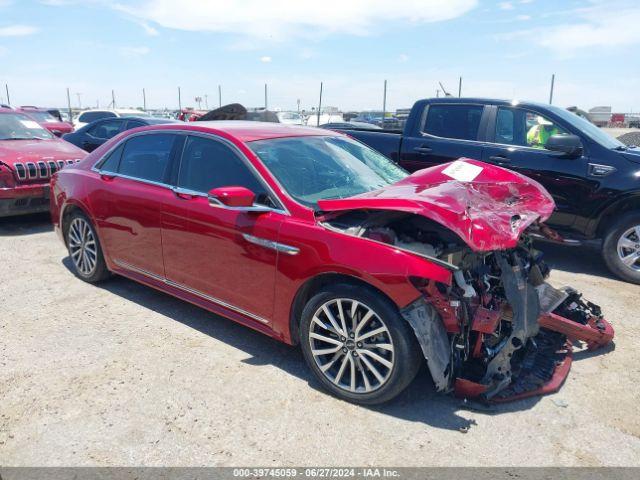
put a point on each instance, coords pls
(422, 150)
(499, 159)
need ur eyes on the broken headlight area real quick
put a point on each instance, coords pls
(509, 332)
(499, 332)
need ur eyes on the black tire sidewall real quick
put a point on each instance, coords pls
(406, 349)
(610, 247)
(100, 272)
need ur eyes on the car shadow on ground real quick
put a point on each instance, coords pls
(583, 260)
(25, 224)
(418, 403)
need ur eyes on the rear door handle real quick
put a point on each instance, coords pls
(422, 150)
(499, 159)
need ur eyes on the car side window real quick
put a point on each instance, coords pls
(147, 156)
(105, 130)
(453, 121)
(208, 164)
(112, 161)
(516, 126)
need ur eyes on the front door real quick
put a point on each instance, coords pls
(518, 144)
(218, 253)
(449, 132)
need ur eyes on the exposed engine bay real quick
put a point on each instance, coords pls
(499, 331)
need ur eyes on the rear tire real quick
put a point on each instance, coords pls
(371, 356)
(621, 247)
(84, 249)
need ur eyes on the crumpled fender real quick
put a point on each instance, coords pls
(487, 206)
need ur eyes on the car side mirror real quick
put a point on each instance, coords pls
(569, 145)
(235, 198)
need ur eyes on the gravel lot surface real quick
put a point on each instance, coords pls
(120, 374)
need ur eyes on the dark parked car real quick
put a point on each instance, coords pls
(94, 134)
(593, 178)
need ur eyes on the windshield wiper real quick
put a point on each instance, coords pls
(621, 148)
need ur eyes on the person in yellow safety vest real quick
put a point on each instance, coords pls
(538, 135)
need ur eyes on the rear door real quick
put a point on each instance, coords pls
(447, 131)
(517, 143)
(135, 187)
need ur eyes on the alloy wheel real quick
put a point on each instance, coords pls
(82, 246)
(629, 248)
(351, 345)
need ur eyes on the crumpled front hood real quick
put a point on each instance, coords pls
(23, 151)
(487, 206)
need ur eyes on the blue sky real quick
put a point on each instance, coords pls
(506, 49)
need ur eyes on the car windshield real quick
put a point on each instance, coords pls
(16, 126)
(324, 167)
(588, 128)
(44, 117)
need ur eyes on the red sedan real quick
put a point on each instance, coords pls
(314, 239)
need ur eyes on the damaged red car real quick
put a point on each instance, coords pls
(314, 239)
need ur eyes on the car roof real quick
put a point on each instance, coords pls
(485, 101)
(247, 131)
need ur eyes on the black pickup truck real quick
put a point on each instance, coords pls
(594, 178)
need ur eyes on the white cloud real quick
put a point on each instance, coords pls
(603, 24)
(17, 30)
(133, 52)
(506, 6)
(523, 18)
(3, 51)
(403, 57)
(265, 59)
(148, 29)
(282, 19)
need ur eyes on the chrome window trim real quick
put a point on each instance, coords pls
(184, 288)
(282, 208)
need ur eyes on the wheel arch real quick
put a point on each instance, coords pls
(65, 214)
(613, 212)
(312, 286)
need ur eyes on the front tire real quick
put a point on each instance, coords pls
(357, 344)
(621, 248)
(85, 250)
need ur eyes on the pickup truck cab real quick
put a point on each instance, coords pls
(29, 155)
(593, 178)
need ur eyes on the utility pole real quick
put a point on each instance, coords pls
(69, 105)
(265, 96)
(319, 106)
(219, 95)
(179, 100)
(206, 101)
(113, 99)
(6, 87)
(553, 81)
(298, 106)
(460, 88)
(384, 103)
(78, 94)
(144, 100)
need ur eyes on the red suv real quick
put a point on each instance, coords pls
(47, 120)
(314, 239)
(29, 155)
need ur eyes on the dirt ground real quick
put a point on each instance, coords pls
(120, 374)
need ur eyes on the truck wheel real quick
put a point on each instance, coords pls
(621, 248)
(357, 344)
(84, 249)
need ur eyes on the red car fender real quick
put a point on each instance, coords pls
(322, 251)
